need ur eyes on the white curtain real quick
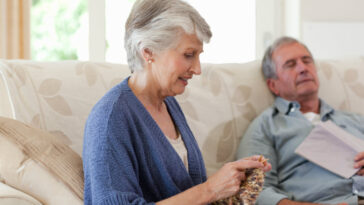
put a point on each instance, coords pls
(15, 29)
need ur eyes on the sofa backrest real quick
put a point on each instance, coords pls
(219, 104)
(56, 96)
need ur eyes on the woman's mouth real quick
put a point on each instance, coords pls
(184, 80)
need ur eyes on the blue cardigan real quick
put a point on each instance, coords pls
(126, 157)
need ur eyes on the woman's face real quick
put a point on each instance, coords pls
(174, 67)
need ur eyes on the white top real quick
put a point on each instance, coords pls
(180, 148)
(312, 117)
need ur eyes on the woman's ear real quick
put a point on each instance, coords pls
(147, 55)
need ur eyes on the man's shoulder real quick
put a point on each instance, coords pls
(267, 114)
(347, 116)
(262, 121)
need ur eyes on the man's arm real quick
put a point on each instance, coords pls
(257, 142)
(359, 158)
(289, 202)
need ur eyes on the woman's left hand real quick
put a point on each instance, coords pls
(226, 181)
(359, 163)
(267, 166)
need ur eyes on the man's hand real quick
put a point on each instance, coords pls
(359, 163)
(289, 202)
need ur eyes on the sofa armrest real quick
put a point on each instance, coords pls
(11, 196)
(35, 162)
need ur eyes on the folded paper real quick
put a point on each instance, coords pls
(332, 148)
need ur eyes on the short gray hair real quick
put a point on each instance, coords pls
(268, 66)
(157, 25)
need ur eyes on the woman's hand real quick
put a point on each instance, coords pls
(226, 182)
(359, 163)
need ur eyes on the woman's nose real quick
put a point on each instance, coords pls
(196, 67)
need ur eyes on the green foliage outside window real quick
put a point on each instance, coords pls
(54, 24)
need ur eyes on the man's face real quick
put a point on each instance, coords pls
(296, 73)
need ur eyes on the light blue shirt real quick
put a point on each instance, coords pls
(276, 133)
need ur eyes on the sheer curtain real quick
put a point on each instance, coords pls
(15, 29)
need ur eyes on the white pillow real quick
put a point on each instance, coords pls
(11, 196)
(33, 161)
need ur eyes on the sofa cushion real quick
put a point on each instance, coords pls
(11, 196)
(56, 96)
(342, 83)
(35, 162)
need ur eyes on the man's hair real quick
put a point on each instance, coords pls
(157, 25)
(268, 66)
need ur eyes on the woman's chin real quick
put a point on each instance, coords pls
(178, 91)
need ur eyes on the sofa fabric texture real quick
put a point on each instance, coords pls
(11, 196)
(57, 97)
(35, 162)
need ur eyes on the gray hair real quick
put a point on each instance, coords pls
(268, 66)
(156, 24)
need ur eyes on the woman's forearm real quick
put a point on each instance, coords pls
(200, 194)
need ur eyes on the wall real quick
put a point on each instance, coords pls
(330, 28)
(333, 28)
(269, 23)
(332, 10)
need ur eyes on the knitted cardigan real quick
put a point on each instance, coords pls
(127, 158)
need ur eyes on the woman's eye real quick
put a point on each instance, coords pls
(188, 55)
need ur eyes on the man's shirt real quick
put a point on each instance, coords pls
(276, 133)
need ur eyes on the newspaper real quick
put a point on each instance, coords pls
(332, 148)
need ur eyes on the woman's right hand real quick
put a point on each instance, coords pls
(226, 182)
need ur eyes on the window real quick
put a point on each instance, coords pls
(117, 12)
(232, 23)
(58, 29)
(233, 28)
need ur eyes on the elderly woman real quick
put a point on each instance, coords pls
(138, 148)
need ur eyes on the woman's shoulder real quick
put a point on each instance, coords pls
(116, 95)
(107, 119)
(112, 102)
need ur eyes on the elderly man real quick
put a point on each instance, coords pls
(290, 73)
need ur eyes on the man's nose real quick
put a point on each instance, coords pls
(301, 67)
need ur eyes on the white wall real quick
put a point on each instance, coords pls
(332, 10)
(330, 28)
(333, 28)
(269, 23)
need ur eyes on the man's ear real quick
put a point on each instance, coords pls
(272, 85)
(147, 55)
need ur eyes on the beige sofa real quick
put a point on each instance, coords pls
(44, 106)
